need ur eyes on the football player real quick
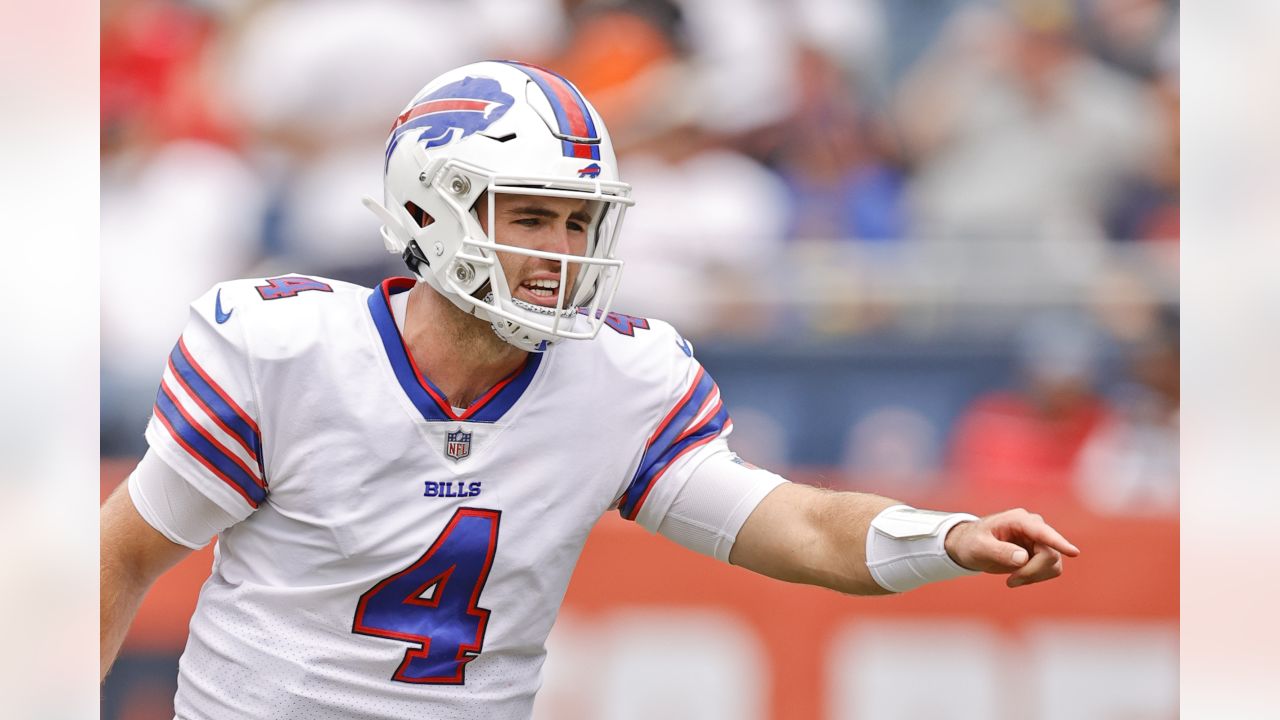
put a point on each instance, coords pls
(402, 478)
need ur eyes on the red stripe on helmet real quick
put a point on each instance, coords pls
(443, 105)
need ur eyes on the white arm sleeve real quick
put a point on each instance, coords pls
(714, 503)
(173, 507)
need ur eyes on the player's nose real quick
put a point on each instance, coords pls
(556, 239)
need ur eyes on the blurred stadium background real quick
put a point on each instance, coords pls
(928, 248)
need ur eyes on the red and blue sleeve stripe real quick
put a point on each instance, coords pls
(698, 418)
(215, 401)
(205, 448)
(577, 129)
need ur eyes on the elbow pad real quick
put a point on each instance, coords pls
(714, 504)
(173, 506)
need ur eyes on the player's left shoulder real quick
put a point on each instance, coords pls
(640, 347)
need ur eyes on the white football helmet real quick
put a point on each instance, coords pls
(502, 127)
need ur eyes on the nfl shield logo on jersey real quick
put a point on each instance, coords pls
(457, 444)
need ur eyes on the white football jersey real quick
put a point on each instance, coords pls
(397, 558)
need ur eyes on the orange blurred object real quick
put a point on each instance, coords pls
(608, 51)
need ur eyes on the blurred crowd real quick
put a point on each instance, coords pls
(806, 171)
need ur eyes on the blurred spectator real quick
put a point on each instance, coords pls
(153, 75)
(1029, 438)
(706, 224)
(839, 183)
(1148, 208)
(854, 34)
(1134, 35)
(1126, 306)
(1016, 133)
(742, 64)
(1130, 463)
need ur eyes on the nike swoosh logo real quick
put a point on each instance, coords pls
(218, 315)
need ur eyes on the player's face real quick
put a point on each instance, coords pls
(550, 224)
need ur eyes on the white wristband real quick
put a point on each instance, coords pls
(905, 547)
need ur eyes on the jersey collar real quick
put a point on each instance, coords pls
(421, 391)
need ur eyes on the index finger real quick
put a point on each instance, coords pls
(1040, 531)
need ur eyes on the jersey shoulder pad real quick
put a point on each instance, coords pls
(645, 348)
(273, 314)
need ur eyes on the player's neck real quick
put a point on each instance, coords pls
(460, 353)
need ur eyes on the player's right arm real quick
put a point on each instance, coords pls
(204, 470)
(149, 524)
(132, 555)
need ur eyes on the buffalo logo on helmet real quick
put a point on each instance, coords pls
(457, 444)
(452, 112)
(591, 171)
